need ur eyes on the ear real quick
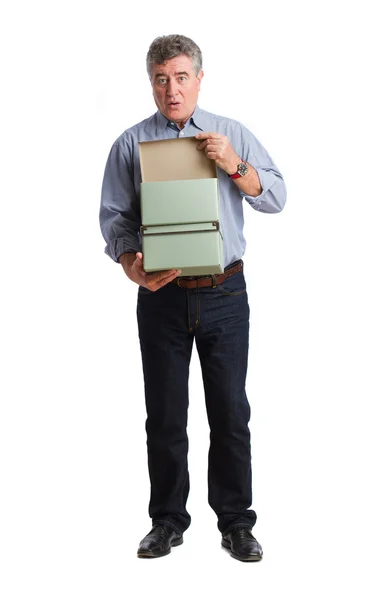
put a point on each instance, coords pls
(199, 77)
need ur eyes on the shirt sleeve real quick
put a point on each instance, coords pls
(274, 194)
(119, 215)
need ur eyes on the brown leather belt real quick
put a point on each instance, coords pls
(208, 280)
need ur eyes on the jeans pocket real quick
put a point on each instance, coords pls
(233, 286)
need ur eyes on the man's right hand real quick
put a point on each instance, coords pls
(133, 266)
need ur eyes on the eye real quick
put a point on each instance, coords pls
(161, 81)
(182, 78)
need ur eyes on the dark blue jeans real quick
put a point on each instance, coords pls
(218, 319)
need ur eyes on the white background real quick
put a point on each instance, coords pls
(307, 78)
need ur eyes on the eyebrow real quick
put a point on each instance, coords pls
(179, 73)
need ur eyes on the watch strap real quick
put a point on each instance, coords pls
(237, 174)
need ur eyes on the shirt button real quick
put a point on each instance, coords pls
(181, 133)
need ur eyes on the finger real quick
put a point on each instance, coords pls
(206, 142)
(204, 135)
(213, 148)
(214, 142)
(138, 264)
(166, 274)
(161, 275)
(168, 279)
(155, 283)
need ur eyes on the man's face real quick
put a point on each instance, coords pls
(175, 88)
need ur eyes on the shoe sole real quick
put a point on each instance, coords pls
(174, 543)
(252, 558)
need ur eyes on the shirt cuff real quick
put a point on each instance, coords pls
(270, 199)
(119, 246)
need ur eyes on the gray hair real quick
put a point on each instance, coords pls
(165, 47)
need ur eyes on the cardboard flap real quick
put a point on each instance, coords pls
(174, 159)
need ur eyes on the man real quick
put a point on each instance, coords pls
(171, 316)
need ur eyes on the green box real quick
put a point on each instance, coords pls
(180, 208)
(196, 248)
(178, 202)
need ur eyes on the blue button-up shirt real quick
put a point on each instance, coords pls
(120, 213)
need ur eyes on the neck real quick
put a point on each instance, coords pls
(181, 124)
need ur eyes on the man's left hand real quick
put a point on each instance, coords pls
(218, 148)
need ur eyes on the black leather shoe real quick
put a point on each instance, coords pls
(242, 544)
(159, 542)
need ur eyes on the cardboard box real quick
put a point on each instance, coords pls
(179, 208)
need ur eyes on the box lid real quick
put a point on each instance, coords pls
(174, 159)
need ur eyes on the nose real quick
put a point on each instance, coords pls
(172, 89)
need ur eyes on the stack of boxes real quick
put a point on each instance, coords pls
(180, 208)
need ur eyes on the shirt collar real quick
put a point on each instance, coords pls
(199, 119)
(161, 121)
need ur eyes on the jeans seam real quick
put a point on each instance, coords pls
(187, 298)
(198, 308)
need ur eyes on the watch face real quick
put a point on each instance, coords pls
(242, 169)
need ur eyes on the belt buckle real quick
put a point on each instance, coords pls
(214, 283)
